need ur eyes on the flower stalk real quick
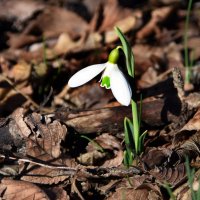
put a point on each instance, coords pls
(136, 128)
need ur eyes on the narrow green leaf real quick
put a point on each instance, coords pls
(141, 141)
(169, 190)
(127, 51)
(129, 140)
(128, 158)
(94, 143)
(136, 131)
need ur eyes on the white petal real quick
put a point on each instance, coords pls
(120, 87)
(85, 75)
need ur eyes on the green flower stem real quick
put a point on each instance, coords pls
(135, 126)
(132, 129)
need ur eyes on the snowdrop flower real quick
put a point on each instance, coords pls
(112, 78)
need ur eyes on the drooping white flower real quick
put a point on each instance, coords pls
(112, 78)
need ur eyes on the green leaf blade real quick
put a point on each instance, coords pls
(127, 51)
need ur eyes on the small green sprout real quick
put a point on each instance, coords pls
(191, 175)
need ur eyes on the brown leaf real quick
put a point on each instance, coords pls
(172, 175)
(111, 119)
(21, 71)
(112, 13)
(57, 193)
(43, 143)
(189, 147)
(12, 95)
(18, 116)
(154, 157)
(12, 189)
(134, 182)
(43, 175)
(194, 123)
(183, 192)
(91, 158)
(106, 142)
(64, 44)
(158, 15)
(125, 25)
(149, 78)
(47, 135)
(20, 11)
(51, 23)
(145, 191)
(89, 96)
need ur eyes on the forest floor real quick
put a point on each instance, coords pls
(58, 142)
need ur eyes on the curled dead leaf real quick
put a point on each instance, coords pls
(194, 123)
(171, 175)
(189, 147)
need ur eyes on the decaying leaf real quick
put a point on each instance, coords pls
(193, 124)
(57, 193)
(47, 135)
(12, 189)
(145, 191)
(89, 96)
(43, 175)
(20, 11)
(158, 16)
(43, 139)
(51, 22)
(42, 45)
(189, 147)
(171, 175)
(103, 143)
(155, 157)
(21, 71)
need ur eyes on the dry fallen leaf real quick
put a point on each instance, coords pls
(171, 175)
(57, 193)
(145, 191)
(21, 71)
(12, 189)
(155, 157)
(47, 135)
(51, 22)
(158, 16)
(105, 142)
(194, 123)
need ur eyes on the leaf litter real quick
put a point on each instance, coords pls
(62, 143)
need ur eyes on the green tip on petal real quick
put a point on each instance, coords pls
(105, 82)
(114, 56)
